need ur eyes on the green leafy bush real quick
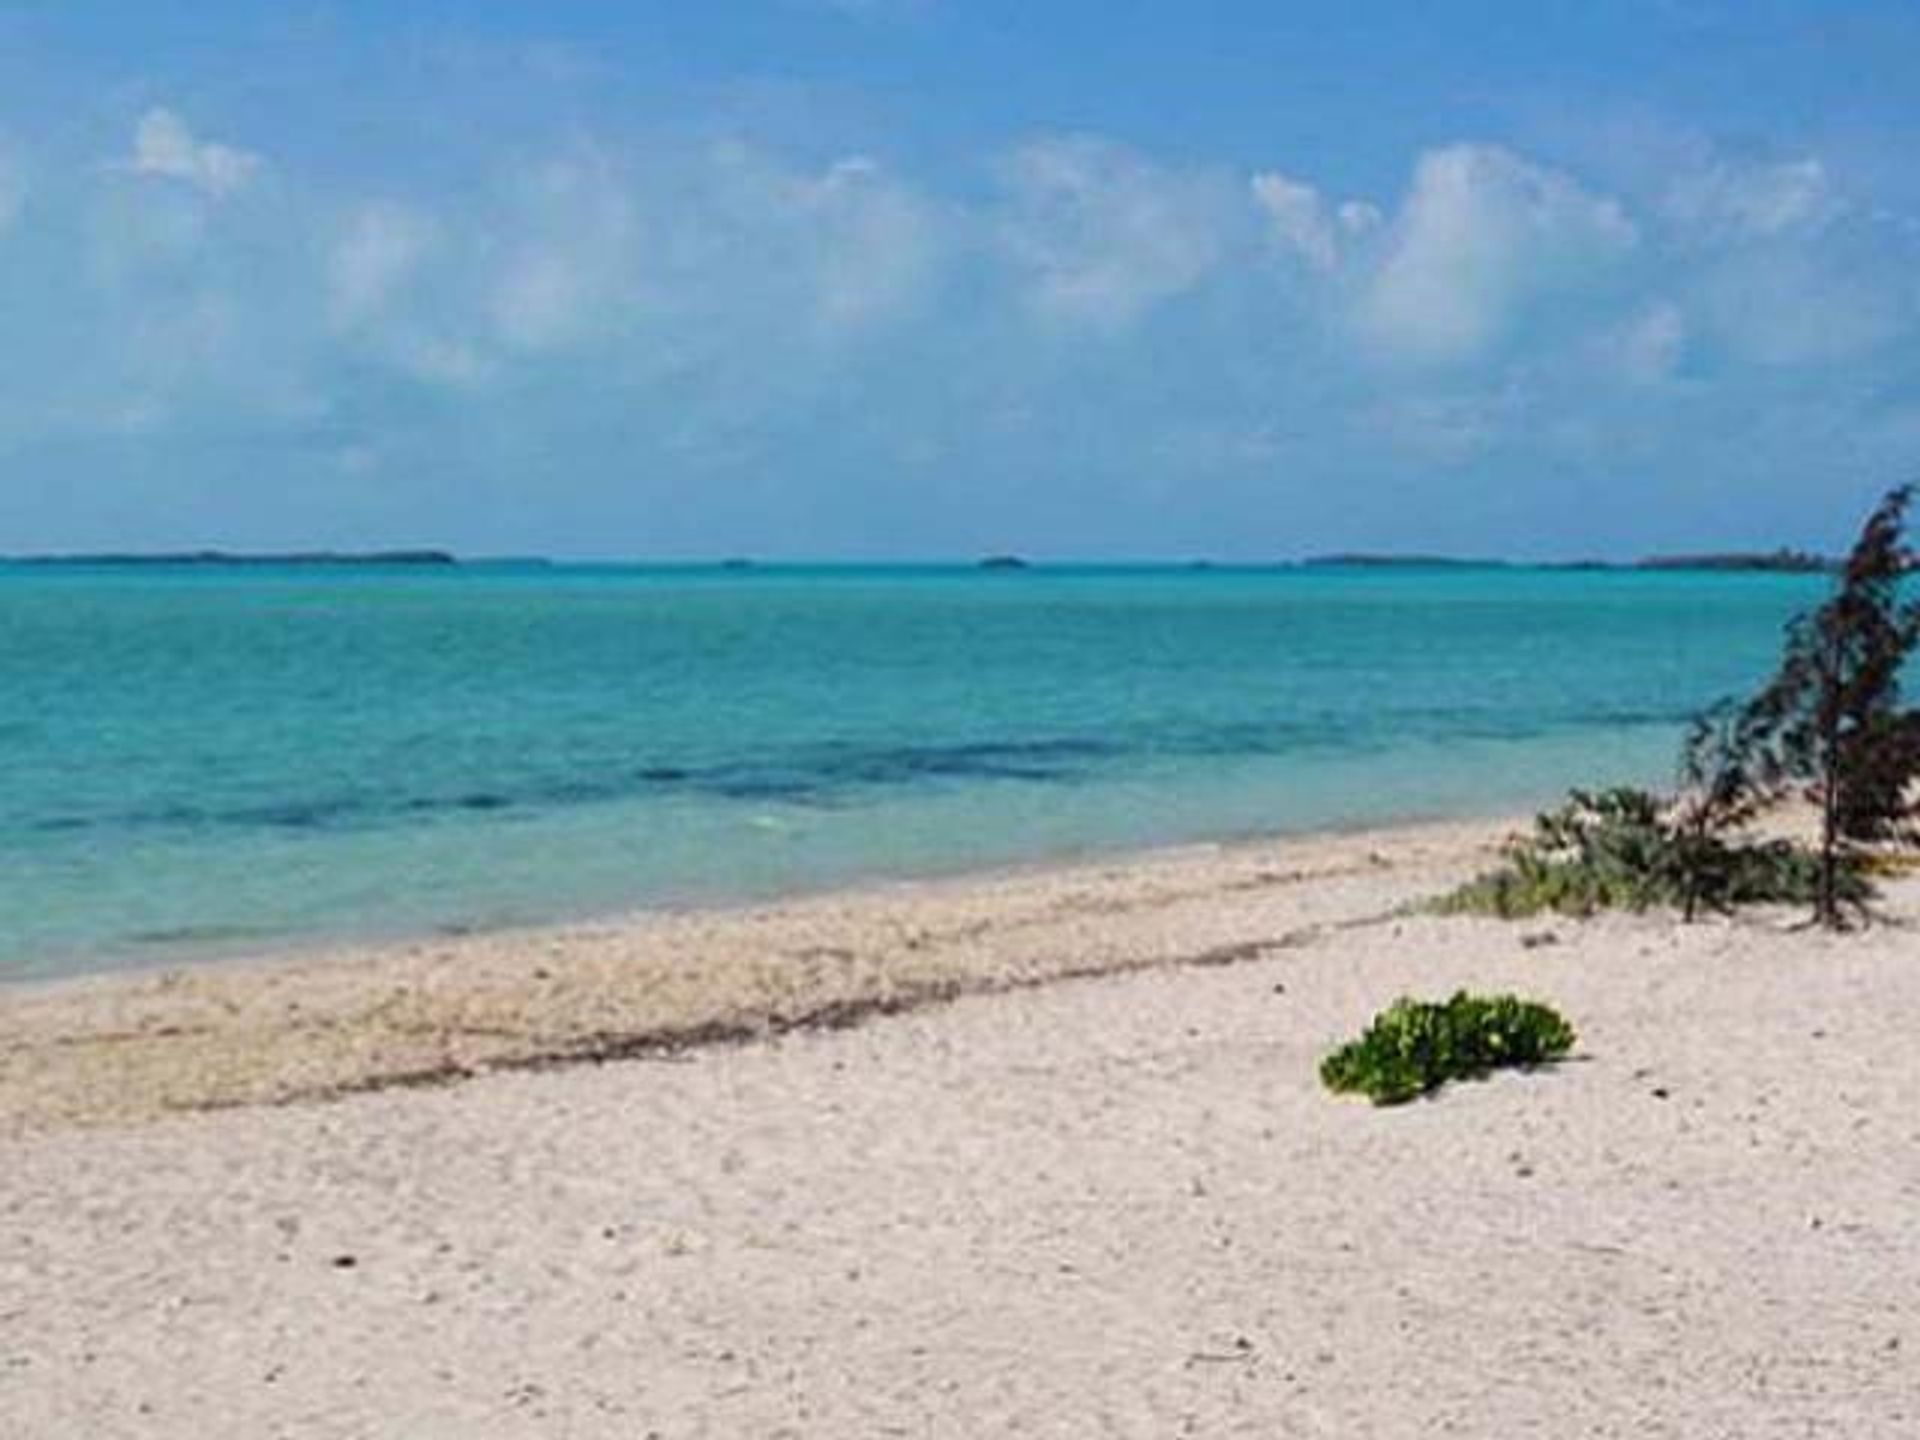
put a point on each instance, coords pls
(1623, 849)
(1416, 1046)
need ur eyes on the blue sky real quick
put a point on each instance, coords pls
(899, 278)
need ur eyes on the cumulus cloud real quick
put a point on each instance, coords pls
(1301, 220)
(1357, 217)
(381, 248)
(381, 300)
(848, 247)
(1103, 234)
(877, 242)
(741, 320)
(706, 256)
(545, 262)
(1724, 199)
(1647, 348)
(570, 270)
(1298, 218)
(1782, 268)
(1481, 233)
(163, 145)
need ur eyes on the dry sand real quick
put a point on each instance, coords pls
(1116, 1205)
(320, 1025)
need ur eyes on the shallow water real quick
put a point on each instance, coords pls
(195, 761)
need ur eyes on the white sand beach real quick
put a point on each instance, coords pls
(1072, 1174)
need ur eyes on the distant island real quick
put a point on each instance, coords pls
(1778, 562)
(1003, 562)
(1782, 561)
(229, 557)
(1364, 560)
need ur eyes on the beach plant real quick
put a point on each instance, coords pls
(1720, 793)
(1601, 850)
(1724, 789)
(1629, 849)
(1415, 1046)
(1830, 724)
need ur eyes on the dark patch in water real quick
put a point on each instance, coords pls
(577, 792)
(785, 789)
(823, 776)
(1034, 760)
(295, 815)
(201, 934)
(829, 775)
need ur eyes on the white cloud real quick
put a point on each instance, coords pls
(1782, 268)
(164, 146)
(1302, 221)
(737, 304)
(383, 298)
(844, 249)
(1357, 217)
(1648, 347)
(569, 271)
(1105, 235)
(381, 249)
(546, 263)
(1725, 199)
(1481, 233)
(704, 258)
(1298, 218)
(540, 300)
(876, 246)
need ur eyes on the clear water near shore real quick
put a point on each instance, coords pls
(197, 761)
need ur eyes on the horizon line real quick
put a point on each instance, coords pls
(1783, 559)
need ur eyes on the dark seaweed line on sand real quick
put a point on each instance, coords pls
(673, 1042)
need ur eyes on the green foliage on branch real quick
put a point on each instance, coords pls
(1831, 722)
(1413, 1047)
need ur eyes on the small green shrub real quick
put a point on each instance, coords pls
(1622, 850)
(1416, 1046)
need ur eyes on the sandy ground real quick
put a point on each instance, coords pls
(319, 1025)
(1117, 1205)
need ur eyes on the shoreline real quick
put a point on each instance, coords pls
(318, 1022)
(129, 962)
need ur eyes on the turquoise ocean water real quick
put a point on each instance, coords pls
(207, 761)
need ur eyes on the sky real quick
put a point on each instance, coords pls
(934, 278)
